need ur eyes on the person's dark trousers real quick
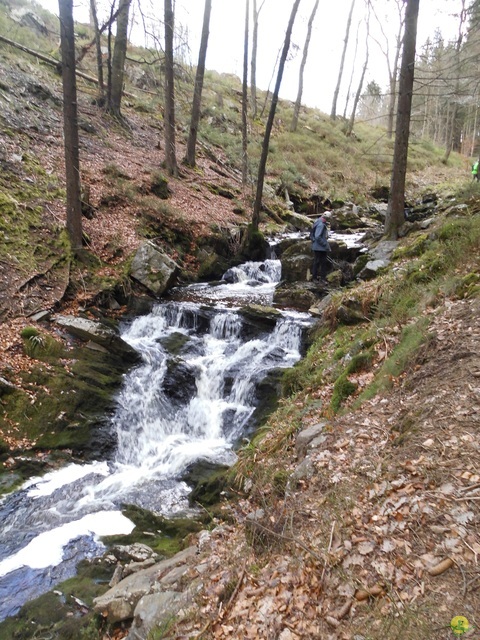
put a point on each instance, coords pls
(319, 264)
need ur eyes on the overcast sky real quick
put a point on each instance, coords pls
(225, 48)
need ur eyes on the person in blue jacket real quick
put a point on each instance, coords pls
(320, 248)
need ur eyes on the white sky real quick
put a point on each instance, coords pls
(225, 48)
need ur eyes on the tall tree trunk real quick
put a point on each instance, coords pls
(98, 49)
(245, 100)
(170, 152)
(70, 124)
(253, 62)
(351, 122)
(118, 60)
(395, 216)
(197, 92)
(298, 102)
(109, 55)
(351, 75)
(271, 115)
(451, 131)
(333, 114)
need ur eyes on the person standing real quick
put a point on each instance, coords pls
(476, 170)
(320, 248)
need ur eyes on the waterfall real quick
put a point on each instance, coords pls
(192, 398)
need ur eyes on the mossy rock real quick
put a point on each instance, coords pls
(469, 286)
(166, 536)
(209, 481)
(342, 389)
(416, 248)
(159, 186)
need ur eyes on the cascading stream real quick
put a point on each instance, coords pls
(192, 398)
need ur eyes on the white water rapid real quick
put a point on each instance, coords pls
(192, 398)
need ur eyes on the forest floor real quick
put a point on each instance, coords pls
(380, 539)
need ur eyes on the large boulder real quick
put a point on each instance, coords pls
(298, 296)
(154, 269)
(372, 269)
(98, 334)
(346, 218)
(296, 261)
(120, 602)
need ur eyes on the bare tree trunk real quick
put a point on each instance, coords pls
(245, 100)
(197, 92)
(109, 56)
(474, 132)
(351, 75)
(395, 216)
(271, 115)
(253, 62)
(351, 122)
(118, 60)
(170, 152)
(98, 49)
(333, 114)
(298, 102)
(453, 122)
(70, 124)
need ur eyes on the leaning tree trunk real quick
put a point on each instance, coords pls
(333, 114)
(245, 100)
(197, 92)
(118, 60)
(70, 124)
(298, 102)
(395, 216)
(271, 115)
(170, 152)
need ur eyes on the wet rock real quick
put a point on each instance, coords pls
(154, 269)
(180, 380)
(100, 334)
(298, 296)
(266, 317)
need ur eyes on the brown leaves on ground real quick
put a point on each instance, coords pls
(381, 539)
